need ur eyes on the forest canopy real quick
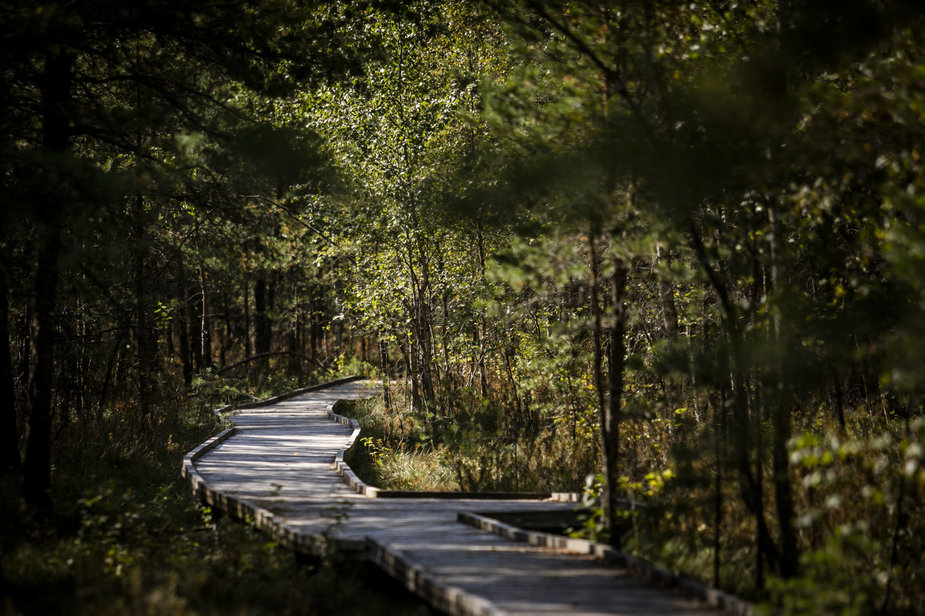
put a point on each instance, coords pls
(664, 253)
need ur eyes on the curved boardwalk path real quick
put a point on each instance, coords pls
(276, 468)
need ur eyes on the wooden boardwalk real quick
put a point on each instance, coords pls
(277, 468)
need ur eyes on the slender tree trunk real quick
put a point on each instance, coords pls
(186, 359)
(480, 326)
(314, 326)
(295, 359)
(719, 440)
(142, 325)
(24, 343)
(194, 315)
(262, 324)
(9, 431)
(56, 94)
(605, 412)
(384, 368)
(839, 399)
(248, 345)
(780, 417)
(110, 368)
(204, 329)
(617, 354)
(666, 299)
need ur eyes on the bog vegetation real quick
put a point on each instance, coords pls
(657, 251)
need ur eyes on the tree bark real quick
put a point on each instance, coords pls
(56, 94)
(204, 329)
(780, 416)
(146, 368)
(608, 413)
(666, 299)
(263, 327)
(9, 446)
(194, 319)
(186, 358)
(248, 344)
(615, 366)
(384, 368)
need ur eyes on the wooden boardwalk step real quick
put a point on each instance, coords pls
(277, 468)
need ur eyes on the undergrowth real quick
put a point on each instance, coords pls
(858, 493)
(476, 450)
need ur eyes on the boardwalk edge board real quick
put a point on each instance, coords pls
(637, 567)
(444, 597)
(262, 518)
(342, 468)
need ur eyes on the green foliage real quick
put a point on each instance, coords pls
(394, 452)
(253, 196)
(827, 585)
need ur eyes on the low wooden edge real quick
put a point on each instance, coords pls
(530, 496)
(260, 517)
(637, 567)
(188, 470)
(565, 497)
(443, 597)
(342, 468)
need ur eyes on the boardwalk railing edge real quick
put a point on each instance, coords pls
(637, 567)
(342, 468)
(444, 597)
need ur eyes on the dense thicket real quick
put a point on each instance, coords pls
(136, 178)
(675, 248)
(680, 238)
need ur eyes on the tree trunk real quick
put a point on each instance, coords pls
(480, 325)
(263, 328)
(780, 417)
(186, 359)
(146, 368)
(295, 357)
(666, 299)
(204, 329)
(384, 369)
(617, 354)
(9, 446)
(56, 94)
(605, 414)
(248, 344)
